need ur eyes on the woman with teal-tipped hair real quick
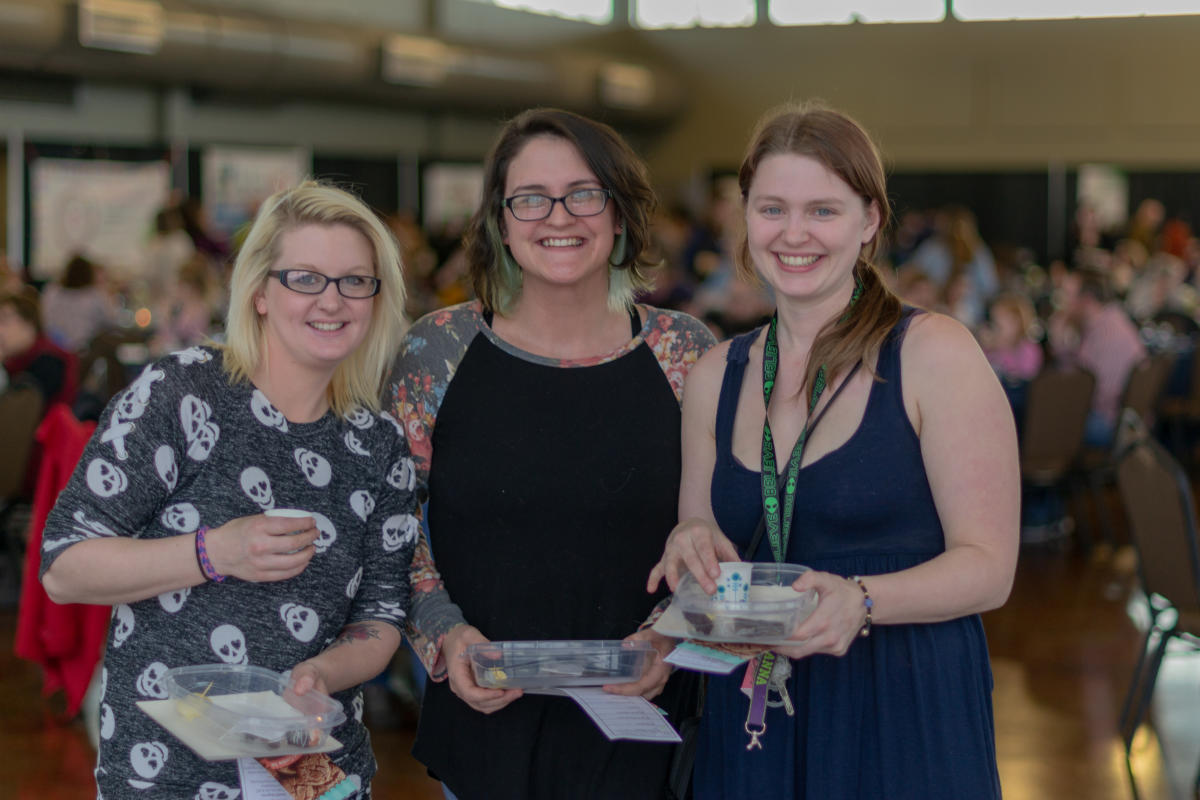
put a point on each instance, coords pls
(544, 418)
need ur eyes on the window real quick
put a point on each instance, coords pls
(598, 12)
(1067, 9)
(693, 13)
(839, 12)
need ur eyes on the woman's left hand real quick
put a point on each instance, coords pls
(655, 678)
(306, 677)
(835, 624)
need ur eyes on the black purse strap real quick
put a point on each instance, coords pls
(756, 539)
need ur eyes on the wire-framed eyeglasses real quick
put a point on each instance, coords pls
(579, 203)
(306, 281)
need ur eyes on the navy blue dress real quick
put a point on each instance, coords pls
(907, 712)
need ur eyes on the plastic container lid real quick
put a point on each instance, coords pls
(770, 615)
(253, 707)
(552, 664)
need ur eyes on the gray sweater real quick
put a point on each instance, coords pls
(182, 448)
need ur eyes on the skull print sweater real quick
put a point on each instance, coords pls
(183, 447)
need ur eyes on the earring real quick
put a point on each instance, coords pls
(617, 258)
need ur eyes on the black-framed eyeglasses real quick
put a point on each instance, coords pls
(579, 203)
(305, 281)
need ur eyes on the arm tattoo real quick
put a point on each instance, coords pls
(356, 632)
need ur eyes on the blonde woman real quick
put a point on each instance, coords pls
(164, 517)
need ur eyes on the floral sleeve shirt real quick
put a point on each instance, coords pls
(429, 357)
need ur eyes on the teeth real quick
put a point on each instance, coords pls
(327, 326)
(572, 242)
(797, 261)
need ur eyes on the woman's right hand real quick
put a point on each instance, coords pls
(462, 677)
(696, 546)
(262, 549)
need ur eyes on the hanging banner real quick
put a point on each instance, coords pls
(237, 179)
(101, 209)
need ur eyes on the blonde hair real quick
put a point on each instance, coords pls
(358, 379)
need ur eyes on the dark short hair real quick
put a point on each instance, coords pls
(78, 273)
(610, 159)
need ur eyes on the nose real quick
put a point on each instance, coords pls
(559, 207)
(797, 228)
(329, 297)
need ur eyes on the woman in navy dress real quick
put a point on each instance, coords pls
(904, 500)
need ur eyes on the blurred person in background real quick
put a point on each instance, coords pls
(956, 251)
(1093, 331)
(79, 305)
(29, 355)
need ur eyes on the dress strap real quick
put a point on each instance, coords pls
(635, 321)
(731, 388)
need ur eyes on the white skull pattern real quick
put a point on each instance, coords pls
(211, 790)
(257, 487)
(362, 503)
(352, 586)
(201, 432)
(106, 479)
(148, 682)
(90, 526)
(148, 758)
(361, 418)
(300, 621)
(328, 532)
(402, 476)
(174, 600)
(314, 466)
(182, 517)
(356, 707)
(399, 531)
(354, 445)
(130, 406)
(395, 423)
(228, 642)
(385, 609)
(164, 462)
(266, 413)
(122, 625)
(193, 355)
(108, 721)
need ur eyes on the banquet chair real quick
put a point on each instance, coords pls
(20, 410)
(1161, 512)
(1056, 409)
(1142, 392)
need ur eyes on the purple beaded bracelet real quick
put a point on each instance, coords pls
(868, 604)
(206, 566)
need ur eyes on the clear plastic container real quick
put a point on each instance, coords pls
(252, 708)
(768, 617)
(553, 664)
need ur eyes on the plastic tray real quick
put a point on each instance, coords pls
(769, 616)
(551, 664)
(252, 708)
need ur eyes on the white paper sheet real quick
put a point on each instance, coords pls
(621, 717)
(258, 784)
(697, 657)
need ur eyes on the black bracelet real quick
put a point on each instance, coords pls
(868, 603)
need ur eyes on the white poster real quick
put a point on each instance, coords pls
(101, 209)
(238, 179)
(1106, 189)
(450, 195)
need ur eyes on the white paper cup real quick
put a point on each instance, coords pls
(289, 513)
(734, 584)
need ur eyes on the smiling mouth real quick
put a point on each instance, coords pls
(572, 241)
(797, 261)
(327, 326)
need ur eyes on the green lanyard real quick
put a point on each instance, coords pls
(779, 530)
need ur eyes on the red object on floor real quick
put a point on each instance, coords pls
(66, 640)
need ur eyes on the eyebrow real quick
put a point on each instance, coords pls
(540, 188)
(819, 201)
